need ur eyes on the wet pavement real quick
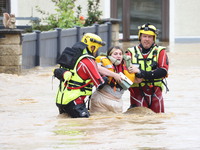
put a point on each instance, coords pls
(30, 120)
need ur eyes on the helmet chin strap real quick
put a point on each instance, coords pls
(92, 50)
(90, 53)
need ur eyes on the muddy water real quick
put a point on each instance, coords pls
(29, 118)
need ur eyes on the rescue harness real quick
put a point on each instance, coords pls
(148, 64)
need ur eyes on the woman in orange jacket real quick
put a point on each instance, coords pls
(108, 98)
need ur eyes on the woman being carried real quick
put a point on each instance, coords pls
(108, 98)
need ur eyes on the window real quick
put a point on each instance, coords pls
(138, 12)
(146, 11)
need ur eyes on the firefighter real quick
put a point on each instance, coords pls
(153, 63)
(77, 74)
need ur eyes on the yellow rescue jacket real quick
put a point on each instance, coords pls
(75, 87)
(105, 62)
(148, 64)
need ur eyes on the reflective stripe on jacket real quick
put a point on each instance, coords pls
(70, 90)
(105, 62)
(147, 64)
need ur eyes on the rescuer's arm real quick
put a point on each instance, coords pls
(155, 74)
(106, 72)
(160, 71)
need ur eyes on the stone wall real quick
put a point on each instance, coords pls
(115, 30)
(115, 34)
(10, 51)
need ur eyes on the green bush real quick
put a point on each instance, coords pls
(65, 15)
(93, 13)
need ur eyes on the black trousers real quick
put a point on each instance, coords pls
(73, 110)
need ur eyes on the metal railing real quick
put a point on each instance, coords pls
(43, 48)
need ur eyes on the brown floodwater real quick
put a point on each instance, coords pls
(29, 119)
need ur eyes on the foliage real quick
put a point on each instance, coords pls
(93, 13)
(63, 18)
(65, 15)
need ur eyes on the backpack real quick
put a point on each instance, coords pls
(69, 56)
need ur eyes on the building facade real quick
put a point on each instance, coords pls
(176, 19)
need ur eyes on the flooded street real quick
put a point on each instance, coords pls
(30, 120)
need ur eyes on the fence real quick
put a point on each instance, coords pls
(43, 48)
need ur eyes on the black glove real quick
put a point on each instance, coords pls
(138, 75)
(105, 82)
(154, 74)
(58, 73)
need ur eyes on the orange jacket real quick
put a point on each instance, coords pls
(105, 62)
